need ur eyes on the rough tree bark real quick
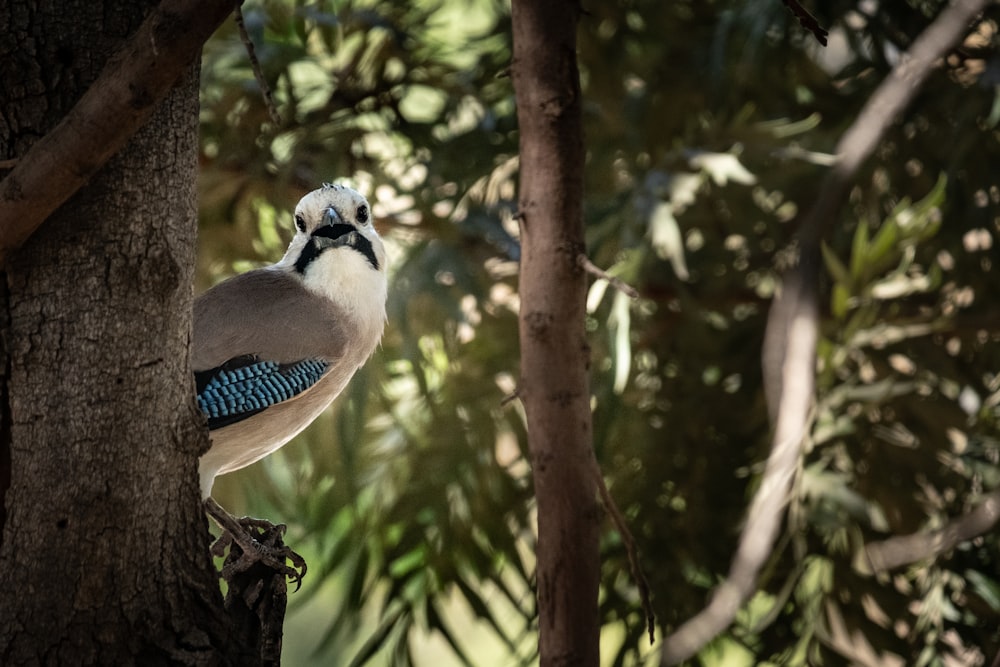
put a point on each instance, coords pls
(555, 356)
(103, 549)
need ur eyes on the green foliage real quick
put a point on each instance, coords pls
(708, 126)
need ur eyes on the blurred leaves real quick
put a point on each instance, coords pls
(708, 127)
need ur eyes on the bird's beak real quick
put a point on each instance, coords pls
(331, 217)
(334, 231)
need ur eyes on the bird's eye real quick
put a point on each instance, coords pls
(362, 214)
(300, 223)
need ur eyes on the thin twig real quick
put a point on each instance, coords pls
(511, 397)
(8, 164)
(807, 20)
(621, 525)
(258, 73)
(584, 262)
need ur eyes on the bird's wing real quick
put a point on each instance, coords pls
(268, 314)
(246, 385)
(260, 339)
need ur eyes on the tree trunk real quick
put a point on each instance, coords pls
(104, 554)
(554, 351)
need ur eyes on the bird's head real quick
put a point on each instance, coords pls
(339, 255)
(334, 218)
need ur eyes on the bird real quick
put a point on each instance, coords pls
(273, 347)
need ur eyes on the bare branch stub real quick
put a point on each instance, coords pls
(598, 272)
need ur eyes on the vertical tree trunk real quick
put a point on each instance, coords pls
(554, 351)
(104, 555)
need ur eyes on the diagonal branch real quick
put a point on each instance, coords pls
(792, 329)
(902, 550)
(258, 72)
(118, 103)
(628, 541)
(794, 314)
(807, 20)
(893, 95)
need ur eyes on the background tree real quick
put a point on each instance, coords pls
(554, 378)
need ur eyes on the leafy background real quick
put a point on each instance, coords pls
(708, 125)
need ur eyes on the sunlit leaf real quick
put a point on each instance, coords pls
(837, 270)
(665, 236)
(620, 321)
(722, 168)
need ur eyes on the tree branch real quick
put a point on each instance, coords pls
(631, 550)
(905, 549)
(258, 72)
(792, 330)
(893, 95)
(122, 98)
(807, 20)
(794, 314)
(614, 281)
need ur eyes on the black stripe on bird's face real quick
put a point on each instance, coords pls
(335, 236)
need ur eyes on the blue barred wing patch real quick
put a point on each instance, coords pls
(244, 386)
